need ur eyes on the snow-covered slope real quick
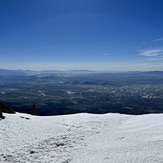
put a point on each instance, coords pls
(81, 138)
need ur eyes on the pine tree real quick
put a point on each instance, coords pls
(34, 108)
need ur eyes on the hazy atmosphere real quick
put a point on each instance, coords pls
(81, 34)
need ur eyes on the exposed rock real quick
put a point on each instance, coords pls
(6, 109)
(1, 116)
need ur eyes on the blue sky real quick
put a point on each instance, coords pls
(81, 34)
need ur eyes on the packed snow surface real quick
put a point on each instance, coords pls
(81, 138)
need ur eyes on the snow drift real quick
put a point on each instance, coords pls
(81, 138)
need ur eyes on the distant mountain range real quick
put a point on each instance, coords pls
(14, 72)
(30, 72)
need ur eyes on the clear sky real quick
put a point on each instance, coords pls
(81, 34)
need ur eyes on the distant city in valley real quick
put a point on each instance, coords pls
(61, 92)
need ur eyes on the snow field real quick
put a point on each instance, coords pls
(81, 138)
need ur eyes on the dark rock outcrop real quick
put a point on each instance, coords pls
(1, 116)
(6, 109)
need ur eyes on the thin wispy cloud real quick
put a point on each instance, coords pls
(156, 40)
(155, 59)
(144, 42)
(106, 54)
(151, 52)
(160, 39)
